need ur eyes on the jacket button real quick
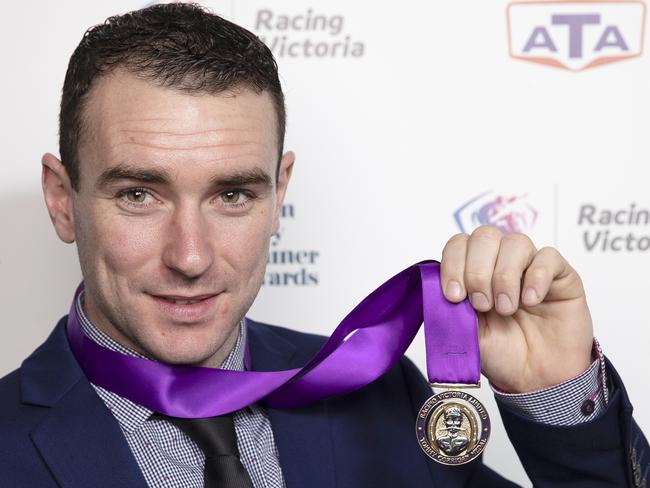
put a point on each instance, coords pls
(588, 407)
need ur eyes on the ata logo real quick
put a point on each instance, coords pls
(509, 214)
(576, 35)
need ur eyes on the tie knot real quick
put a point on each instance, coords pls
(215, 436)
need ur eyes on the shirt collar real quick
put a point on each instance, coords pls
(131, 415)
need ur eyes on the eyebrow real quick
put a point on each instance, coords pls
(248, 177)
(125, 171)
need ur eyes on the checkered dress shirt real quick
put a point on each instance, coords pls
(168, 458)
(573, 402)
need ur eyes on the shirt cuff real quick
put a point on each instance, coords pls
(573, 402)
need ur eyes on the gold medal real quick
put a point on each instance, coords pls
(453, 427)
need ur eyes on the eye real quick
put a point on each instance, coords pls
(136, 197)
(231, 197)
(236, 198)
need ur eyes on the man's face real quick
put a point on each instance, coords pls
(176, 205)
(453, 422)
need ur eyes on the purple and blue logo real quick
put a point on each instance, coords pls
(576, 34)
(509, 214)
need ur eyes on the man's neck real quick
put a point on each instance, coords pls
(109, 336)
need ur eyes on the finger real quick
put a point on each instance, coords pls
(547, 266)
(516, 253)
(482, 251)
(452, 268)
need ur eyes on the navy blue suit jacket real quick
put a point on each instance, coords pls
(56, 431)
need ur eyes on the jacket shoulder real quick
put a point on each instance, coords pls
(16, 416)
(21, 409)
(9, 391)
(306, 342)
(19, 460)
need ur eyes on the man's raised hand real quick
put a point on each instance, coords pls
(535, 330)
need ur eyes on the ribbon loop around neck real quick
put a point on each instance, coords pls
(369, 341)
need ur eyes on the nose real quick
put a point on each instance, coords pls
(188, 249)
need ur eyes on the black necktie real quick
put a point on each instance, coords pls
(216, 437)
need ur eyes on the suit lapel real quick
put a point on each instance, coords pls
(78, 438)
(302, 435)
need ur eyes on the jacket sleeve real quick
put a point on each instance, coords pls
(607, 452)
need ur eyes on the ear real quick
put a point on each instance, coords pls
(284, 175)
(57, 191)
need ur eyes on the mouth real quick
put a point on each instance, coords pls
(182, 308)
(184, 300)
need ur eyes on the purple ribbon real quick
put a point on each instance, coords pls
(364, 346)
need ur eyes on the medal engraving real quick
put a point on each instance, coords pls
(452, 427)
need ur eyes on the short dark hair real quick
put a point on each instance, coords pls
(177, 45)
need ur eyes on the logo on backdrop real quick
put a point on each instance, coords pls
(623, 229)
(576, 35)
(287, 265)
(508, 213)
(307, 34)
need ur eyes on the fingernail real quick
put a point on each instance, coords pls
(504, 305)
(479, 301)
(530, 296)
(454, 290)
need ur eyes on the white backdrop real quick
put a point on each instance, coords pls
(411, 121)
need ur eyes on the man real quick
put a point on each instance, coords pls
(171, 179)
(453, 442)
